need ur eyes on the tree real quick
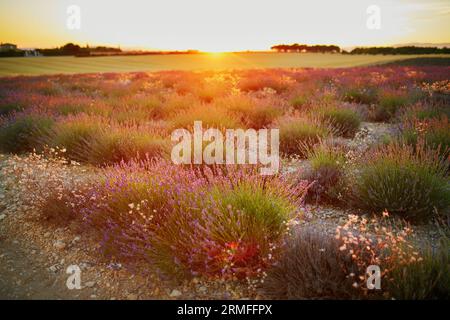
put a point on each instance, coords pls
(305, 48)
(70, 49)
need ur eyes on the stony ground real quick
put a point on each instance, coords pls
(34, 256)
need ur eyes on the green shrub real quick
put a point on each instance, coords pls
(127, 116)
(430, 113)
(345, 122)
(405, 181)
(218, 225)
(75, 136)
(265, 210)
(261, 116)
(434, 132)
(22, 133)
(113, 147)
(174, 104)
(361, 95)
(297, 135)
(299, 102)
(425, 112)
(253, 114)
(327, 170)
(262, 80)
(8, 108)
(96, 142)
(151, 107)
(211, 117)
(72, 108)
(426, 279)
(393, 101)
(388, 106)
(312, 267)
(50, 89)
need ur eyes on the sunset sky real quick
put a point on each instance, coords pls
(222, 25)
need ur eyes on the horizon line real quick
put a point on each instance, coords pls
(151, 49)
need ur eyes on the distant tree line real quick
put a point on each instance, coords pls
(68, 49)
(71, 49)
(306, 48)
(12, 53)
(368, 50)
(400, 50)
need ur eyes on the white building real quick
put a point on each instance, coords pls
(32, 53)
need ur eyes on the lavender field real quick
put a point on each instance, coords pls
(364, 181)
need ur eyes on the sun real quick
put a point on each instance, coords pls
(216, 48)
(215, 54)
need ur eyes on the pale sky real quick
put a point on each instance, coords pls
(222, 25)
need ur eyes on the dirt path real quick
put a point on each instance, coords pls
(23, 275)
(34, 260)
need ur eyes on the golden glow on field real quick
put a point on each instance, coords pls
(218, 25)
